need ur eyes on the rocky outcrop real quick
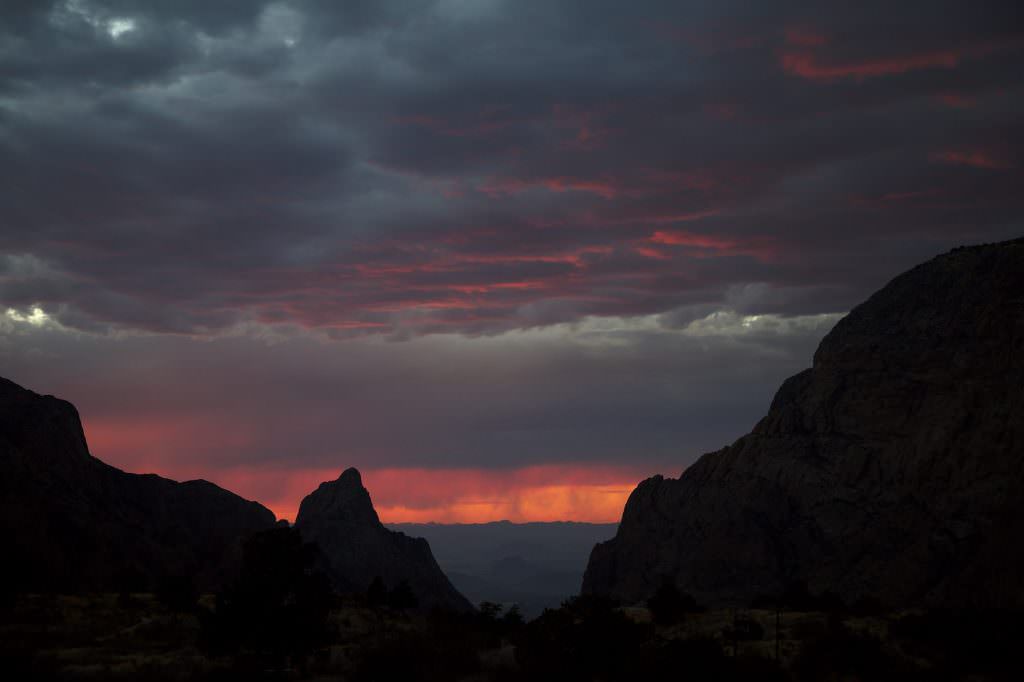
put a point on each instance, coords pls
(340, 518)
(891, 471)
(72, 523)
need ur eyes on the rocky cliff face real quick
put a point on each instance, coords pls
(340, 518)
(891, 471)
(71, 522)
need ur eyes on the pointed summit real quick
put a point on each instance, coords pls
(340, 518)
(343, 501)
(350, 477)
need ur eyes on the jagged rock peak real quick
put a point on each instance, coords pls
(350, 477)
(339, 517)
(343, 500)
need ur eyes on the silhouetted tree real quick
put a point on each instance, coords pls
(402, 597)
(278, 605)
(377, 592)
(513, 618)
(10, 584)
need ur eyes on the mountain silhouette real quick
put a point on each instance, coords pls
(339, 517)
(891, 472)
(73, 523)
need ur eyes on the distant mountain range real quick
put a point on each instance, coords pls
(891, 472)
(534, 565)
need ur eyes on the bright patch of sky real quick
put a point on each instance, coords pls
(118, 27)
(73, 11)
(35, 316)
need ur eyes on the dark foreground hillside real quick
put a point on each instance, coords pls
(145, 637)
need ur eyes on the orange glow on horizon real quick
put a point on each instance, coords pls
(594, 493)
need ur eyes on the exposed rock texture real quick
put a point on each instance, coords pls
(71, 522)
(891, 471)
(340, 518)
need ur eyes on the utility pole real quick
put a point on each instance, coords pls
(735, 635)
(777, 620)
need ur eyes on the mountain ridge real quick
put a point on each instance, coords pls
(77, 523)
(888, 471)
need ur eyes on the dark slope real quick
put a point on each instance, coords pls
(893, 470)
(71, 522)
(340, 518)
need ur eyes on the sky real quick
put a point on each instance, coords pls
(508, 258)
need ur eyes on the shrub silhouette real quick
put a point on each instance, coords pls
(178, 593)
(744, 630)
(797, 597)
(489, 611)
(588, 638)
(841, 654)
(702, 658)
(408, 656)
(964, 643)
(668, 605)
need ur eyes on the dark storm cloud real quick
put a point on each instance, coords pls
(481, 166)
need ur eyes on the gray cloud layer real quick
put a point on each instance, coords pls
(184, 166)
(487, 180)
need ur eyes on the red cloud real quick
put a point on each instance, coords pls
(977, 158)
(807, 65)
(497, 187)
(655, 254)
(811, 65)
(680, 238)
(956, 100)
(659, 245)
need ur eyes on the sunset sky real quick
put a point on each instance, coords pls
(506, 257)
